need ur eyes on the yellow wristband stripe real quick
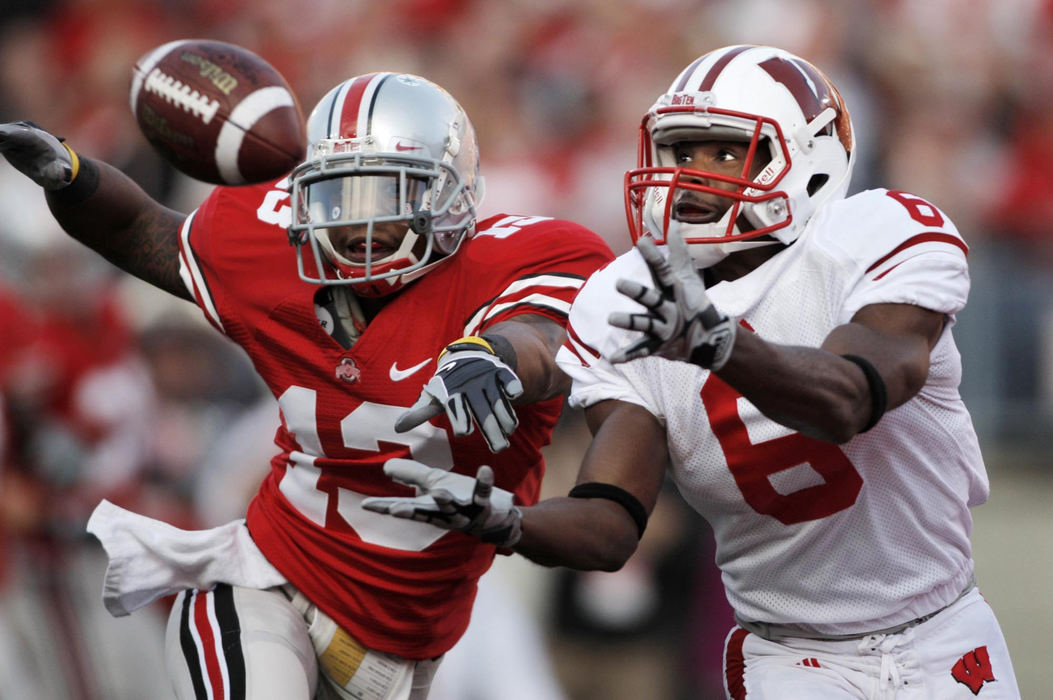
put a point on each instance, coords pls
(471, 340)
(76, 162)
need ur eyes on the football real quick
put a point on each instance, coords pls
(217, 112)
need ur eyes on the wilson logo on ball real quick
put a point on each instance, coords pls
(217, 112)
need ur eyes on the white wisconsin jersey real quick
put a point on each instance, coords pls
(831, 539)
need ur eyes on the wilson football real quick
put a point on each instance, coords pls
(217, 112)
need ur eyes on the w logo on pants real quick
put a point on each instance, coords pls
(974, 669)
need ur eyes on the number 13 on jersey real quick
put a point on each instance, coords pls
(300, 484)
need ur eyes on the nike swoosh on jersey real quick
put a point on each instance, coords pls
(397, 375)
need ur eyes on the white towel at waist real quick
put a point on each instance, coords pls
(149, 559)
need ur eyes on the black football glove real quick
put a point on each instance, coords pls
(474, 387)
(681, 322)
(38, 155)
(452, 502)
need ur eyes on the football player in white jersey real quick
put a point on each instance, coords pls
(786, 354)
(397, 283)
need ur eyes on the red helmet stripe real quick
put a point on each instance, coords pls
(714, 72)
(686, 75)
(351, 105)
(806, 85)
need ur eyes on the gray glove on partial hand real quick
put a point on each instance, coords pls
(681, 322)
(37, 154)
(474, 387)
(452, 502)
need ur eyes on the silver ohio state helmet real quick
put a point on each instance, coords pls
(785, 108)
(386, 151)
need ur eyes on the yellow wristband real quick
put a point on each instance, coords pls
(76, 161)
(469, 339)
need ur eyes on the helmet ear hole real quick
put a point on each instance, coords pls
(816, 183)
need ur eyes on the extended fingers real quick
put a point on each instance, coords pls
(405, 508)
(679, 252)
(484, 486)
(510, 384)
(641, 348)
(643, 323)
(426, 408)
(459, 412)
(497, 425)
(641, 294)
(410, 472)
(661, 272)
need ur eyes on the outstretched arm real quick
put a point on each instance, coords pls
(100, 206)
(597, 526)
(628, 452)
(818, 392)
(127, 227)
(876, 362)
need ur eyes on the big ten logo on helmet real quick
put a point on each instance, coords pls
(680, 99)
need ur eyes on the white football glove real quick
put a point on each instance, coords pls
(37, 154)
(474, 387)
(681, 322)
(452, 502)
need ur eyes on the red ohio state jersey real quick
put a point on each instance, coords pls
(398, 586)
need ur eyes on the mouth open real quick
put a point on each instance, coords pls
(358, 252)
(695, 211)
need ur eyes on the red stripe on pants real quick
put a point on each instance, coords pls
(735, 665)
(208, 645)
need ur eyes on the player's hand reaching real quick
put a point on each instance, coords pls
(681, 322)
(452, 502)
(474, 387)
(38, 155)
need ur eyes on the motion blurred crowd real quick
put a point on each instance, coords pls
(111, 390)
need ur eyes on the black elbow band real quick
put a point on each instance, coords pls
(878, 394)
(503, 349)
(626, 500)
(82, 187)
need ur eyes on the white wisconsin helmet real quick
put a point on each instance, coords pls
(769, 98)
(384, 147)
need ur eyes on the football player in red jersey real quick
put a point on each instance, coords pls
(394, 285)
(785, 353)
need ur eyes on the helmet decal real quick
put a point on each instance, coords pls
(813, 91)
(802, 82)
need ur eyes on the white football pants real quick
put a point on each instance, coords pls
(959, 653)
(234, 643)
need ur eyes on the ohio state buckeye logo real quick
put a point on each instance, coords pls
(348, 371)
(974, 669)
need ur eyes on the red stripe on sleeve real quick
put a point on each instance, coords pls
(887, 271)
(574, 336)
(927, 237)
(574, 351)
